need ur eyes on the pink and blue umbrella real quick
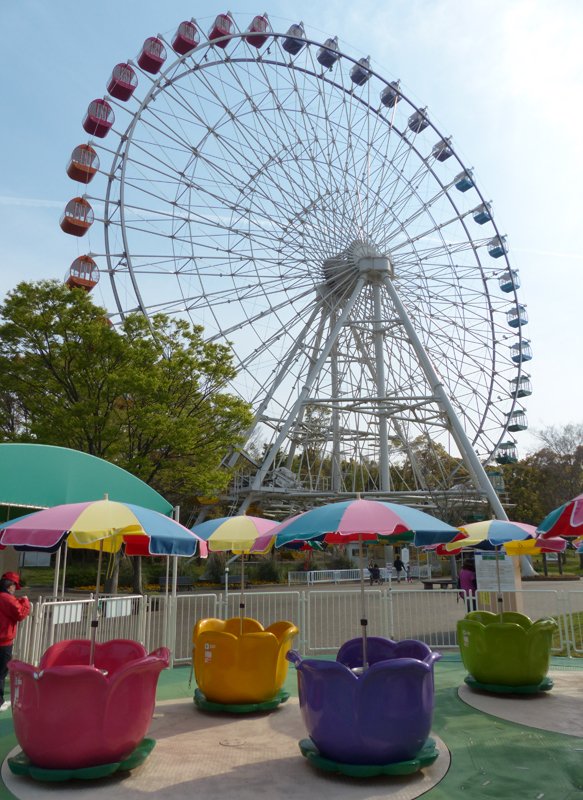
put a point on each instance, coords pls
(364, 520)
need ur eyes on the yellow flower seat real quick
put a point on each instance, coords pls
(238, 661)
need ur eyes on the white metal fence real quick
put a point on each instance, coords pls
(326, 617)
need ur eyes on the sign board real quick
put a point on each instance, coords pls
(71, 612)
(495, 572)
(118, 607)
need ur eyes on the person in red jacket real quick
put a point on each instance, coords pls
(12, 611)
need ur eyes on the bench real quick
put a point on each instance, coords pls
(183, 583)
(439, 583)
(234, 580)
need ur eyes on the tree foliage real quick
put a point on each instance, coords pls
(549, 477)
(150, 400)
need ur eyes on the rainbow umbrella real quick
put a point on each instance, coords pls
(488, 534)
(363, 520)
(241, 535)
(103, 525)
(566, 520)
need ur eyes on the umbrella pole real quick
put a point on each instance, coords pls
(56, 575)
(363, 620)
(95, 620)
(499, 598)
(65, 551)
(242, 602)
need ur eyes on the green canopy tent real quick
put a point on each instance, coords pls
(34, 476)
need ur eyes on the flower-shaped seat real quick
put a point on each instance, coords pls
(70, 715)
(507, 649)
(381, 715)
(238, 661)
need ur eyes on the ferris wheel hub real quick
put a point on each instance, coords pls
(359, 258)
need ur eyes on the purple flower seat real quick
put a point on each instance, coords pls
(70, 715)
(380, 716)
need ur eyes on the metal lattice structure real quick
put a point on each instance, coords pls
(296, 203)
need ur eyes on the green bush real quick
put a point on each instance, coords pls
(267, 572)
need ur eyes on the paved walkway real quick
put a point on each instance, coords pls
(490, 748)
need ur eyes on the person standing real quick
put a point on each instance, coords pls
(399, 567)
(12, 611)
(468, 585)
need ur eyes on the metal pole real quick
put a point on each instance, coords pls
(469, 457)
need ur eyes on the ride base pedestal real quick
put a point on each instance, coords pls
(201, 702)
(21, 765)
(424, 758)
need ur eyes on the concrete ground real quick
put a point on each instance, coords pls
(490, 747)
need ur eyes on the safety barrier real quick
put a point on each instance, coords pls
(326, 617)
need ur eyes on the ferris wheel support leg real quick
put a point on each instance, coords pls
(310, 378)
(379, 343)
(470, 459)
(283, 371)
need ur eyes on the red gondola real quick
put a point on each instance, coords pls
(83, 164)
(123, 81)
(152, 55)
(99, 118)
(77, 217)
(186, 38)
(222, 26)
(83, 274)
(257, 32)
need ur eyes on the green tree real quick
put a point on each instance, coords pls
(150, 401)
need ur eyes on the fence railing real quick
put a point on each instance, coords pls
(326, 617)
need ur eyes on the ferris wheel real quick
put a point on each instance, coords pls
(297, 204)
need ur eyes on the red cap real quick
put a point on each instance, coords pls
(14, 577)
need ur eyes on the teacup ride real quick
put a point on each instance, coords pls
(506, 653)
(373, 719)
(79, 720)
(240, 666)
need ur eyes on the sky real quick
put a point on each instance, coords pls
(504, 78)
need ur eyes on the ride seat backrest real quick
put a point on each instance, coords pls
(109, 657)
